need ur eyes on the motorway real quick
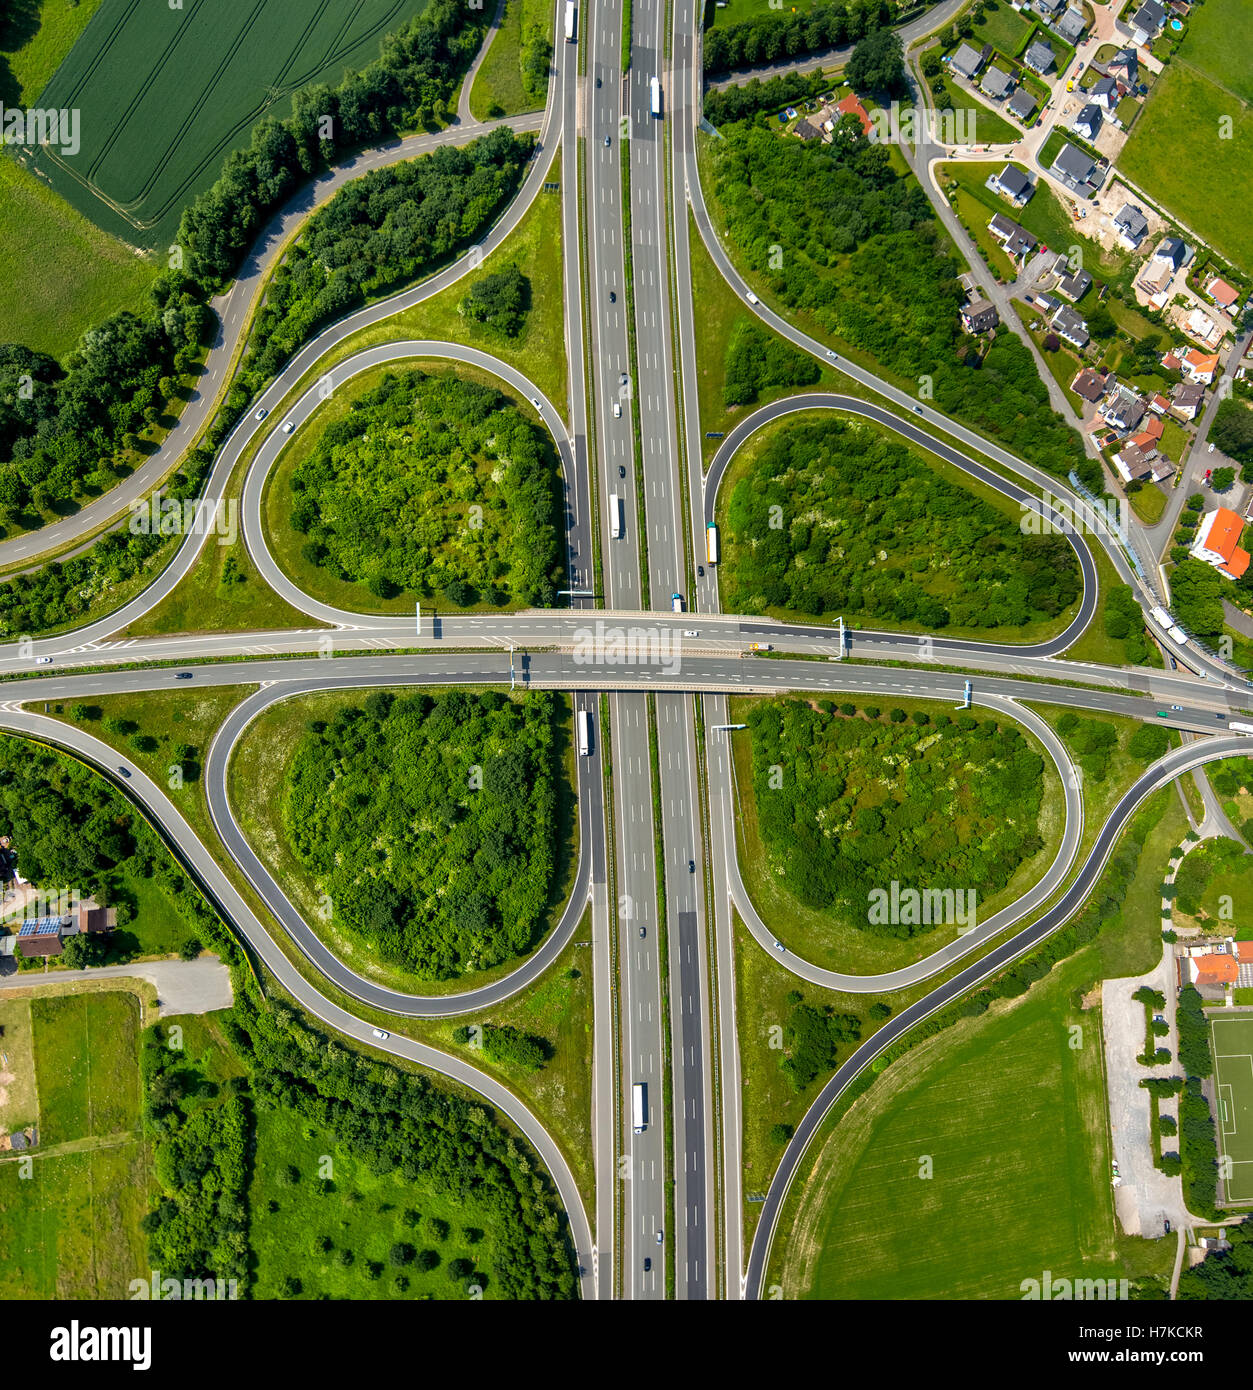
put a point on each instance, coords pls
(664, 976)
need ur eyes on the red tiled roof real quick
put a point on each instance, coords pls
(851, 106)
(1201, 361)
(1222, 293)
(1216, 969)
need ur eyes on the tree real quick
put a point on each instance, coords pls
(1232, 431)
(500, 301)
(877, 64)
(1222, 478)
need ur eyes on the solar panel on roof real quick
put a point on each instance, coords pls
(40, 926)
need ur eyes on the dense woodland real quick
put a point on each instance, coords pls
(864, 257)
(68, 432)
(773, 35)
(846, 805)
(758, 361)
(389, 228)
(432, 485)
(835, 518)
(430, 823)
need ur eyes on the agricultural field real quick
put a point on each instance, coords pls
(1209, 45)
(1180, 156)
(1233, 1087)
(183, 87)
(19, 1105)
(86, 1062)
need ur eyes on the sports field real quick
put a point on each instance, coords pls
(165, 93)
(1233, 1064)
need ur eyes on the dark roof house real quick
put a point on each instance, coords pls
(997, 84)
(1072, 167)
(1017, 240)
(979, 316)
(1070, 325)
(1130, 224)
(1012, 183)
(1071, 24)
(1075, 286)
(1090, 384)
(1022, 104)
(1039, 57)
(967, 61)
(1088, 122)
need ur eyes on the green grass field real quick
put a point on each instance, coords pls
(1209, 45)
(362, 1216)
(34, 38)
(1233, 1084)
(18, 1104)
(62, 275)
(1179, 155)
(166, 93)
(990, 129)
(977, 1161)
(86, 1062)
(71, 1230)
(499, 88)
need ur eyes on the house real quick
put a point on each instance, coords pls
(1050, 9)
(1200, 366)
(1212, 973)
(1124, 408)
(1016, 240)
(1133, 464)
(979, 316)
(966, 62)
(1186, 400)
(1158, 403)
(1074, 287)
(1089, 384)
(1131, 225)
(1158, 272)
(1105, 94)
(1147, 22)
(1066, 323)
(996, 84)
(40, 936)
(94, 920)
(1022, 105)
(1222, 293)
(1071, 24)
(1046, 303)
(1073, 168)
(1151, 433)
(1124, 67)
(805, 131)
(851, 106)
(1175, 250)
(1039, 57)
(1203, 328)
(1013, 184)
(1217, 543)
(1088, 122)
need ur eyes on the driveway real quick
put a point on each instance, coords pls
(183, 986)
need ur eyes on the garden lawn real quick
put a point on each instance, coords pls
(87, 1064)
(1175, 152)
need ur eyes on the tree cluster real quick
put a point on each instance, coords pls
(433, 485)
(772, 36)
(501, 301)
(428, 822)
(757, 361)
(812, 1036)
(836, 518)
(845, 241)
(847, 805)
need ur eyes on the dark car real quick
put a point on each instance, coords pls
(613, 298)
(700, 571)
(1166, 1224)
(691, 866)
(598, 81)
(648, 1264)
(124, 771)
(184, 675)
(621, 471)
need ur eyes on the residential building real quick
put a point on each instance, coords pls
(1013, 184)
(1071, 24)
(1105, 94)
(1050, 9)
(1022, 105)
(1039, 57)
(1073, 168)
(805, 131)
(1203, 328)
(1222, 293)
(40, 936)
(979, 316)
(1089, 384)
(966, 62)
(1132, 463)
(1074, 287)
(1158, 403)
(1016, 240)
(1131, 225)
(1146, 23)
(1124, 66)
(1088, 122)
(1047, 303)
(1124, 408)
(1217, 542)
(996, 84)
(1175, 250)
(1200, 366)
(1066, 323)
(1186, 399)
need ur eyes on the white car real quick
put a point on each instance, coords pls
(691, 632)
(43, 661)
(617, 410)
(288, 427)
(261, 414)
(778, 945)
(1211, 449)
(383, 1037)
(752, 298)
(535, 402)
